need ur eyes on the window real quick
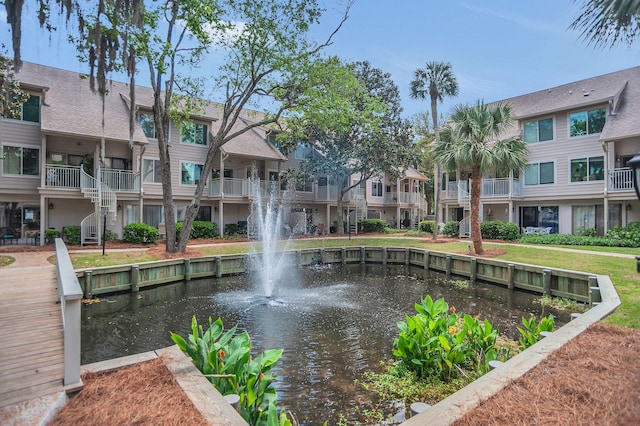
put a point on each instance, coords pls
(31, 109)
(376, 189)
(305, 184)
(153, 215)
(538, 131)
(151, 171)
(20, 161)
(190, 173)
(587, 169)
(193, 133)
(303, 151)
(587, 122)
(539, 174)
(148, 125)
(540, 216)
(204, 214)
(588, 217)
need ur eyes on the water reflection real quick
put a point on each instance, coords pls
(333, 322)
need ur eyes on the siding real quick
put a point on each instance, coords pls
(16, 132)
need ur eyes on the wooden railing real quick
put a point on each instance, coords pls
(70, 294)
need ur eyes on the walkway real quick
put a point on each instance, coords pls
(31, 353)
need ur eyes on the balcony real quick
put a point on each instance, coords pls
(230, 187)
(120, 180)
(495, 187)
(620, 179)
(63, 177)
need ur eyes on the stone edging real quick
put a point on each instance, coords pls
(455, 406)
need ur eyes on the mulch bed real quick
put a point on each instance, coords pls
(592, 380)
(141, 394)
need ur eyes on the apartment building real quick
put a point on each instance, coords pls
(67, 161)
(580, 136)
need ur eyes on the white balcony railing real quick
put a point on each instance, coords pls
(58, 176)
(498, 187)
(620, 179)
(230, 186)
(120, 180)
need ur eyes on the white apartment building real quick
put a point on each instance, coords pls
(580, 137)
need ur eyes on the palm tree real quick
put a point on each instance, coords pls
(471, 140)
(608, 22)
(436, 80)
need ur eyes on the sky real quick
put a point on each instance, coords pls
(497, 48)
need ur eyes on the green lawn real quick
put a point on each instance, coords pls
(621, 270)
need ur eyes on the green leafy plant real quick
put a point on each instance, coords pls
(51, 234)
(373, 225)
(138, 233)
(499, 230)
(71, 234)
(586, 232)
(231, 229)
(200, 229)
(427, 226)
(224, 357)
(451, 228)
(532, 329)
(433, 344)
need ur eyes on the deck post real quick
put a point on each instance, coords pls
(135, 278)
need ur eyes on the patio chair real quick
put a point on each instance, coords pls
(8, 235)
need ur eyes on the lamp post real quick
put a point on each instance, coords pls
(634, 163)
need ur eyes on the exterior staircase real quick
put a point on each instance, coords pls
(105, 202)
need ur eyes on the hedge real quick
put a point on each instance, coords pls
(427, 226)
(499, 230)
(451, 228)
(138, 233)
(199, 229)
(373, 225)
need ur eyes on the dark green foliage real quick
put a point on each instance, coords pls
(616, 237)
(110, 236)
(200, 229)
(226, 358)
(427, 226)
(451, 228)
(51, 234)
(373, 225)
(72, 234)
(140, 233)
(586, 232)
(532, 329)
(499, 230)
(231, 229)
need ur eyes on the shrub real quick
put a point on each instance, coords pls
(231, 229)
(51, 234)
(427, 226)
(110, 236)
(140, 233)
(451, 228)
(617, 237)
(373, 225)
(72, 234)
(586, 232)
(199, 229)
(499, 230)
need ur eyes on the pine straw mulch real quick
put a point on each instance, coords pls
(592, 380)
(141, 394)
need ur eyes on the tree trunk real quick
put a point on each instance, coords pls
(340, 216)
(162, 134)
(476, 235)
(436, 169)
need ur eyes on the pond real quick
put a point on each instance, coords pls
(334, 322)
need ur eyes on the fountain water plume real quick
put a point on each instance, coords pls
(267, 218)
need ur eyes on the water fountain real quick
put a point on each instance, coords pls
(267, 219)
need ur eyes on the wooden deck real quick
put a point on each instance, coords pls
(31, 334)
